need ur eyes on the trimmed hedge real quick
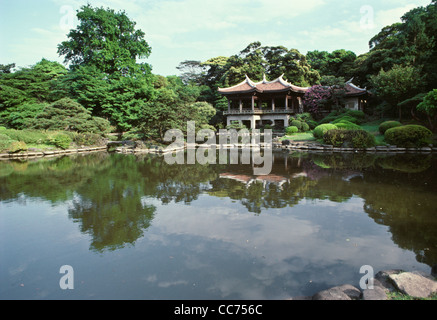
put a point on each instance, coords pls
(383, 127)
(297, 124)
(358, 114)
(346, 125)
(291, 130)
(319, 131)
(408, 136)
(345, 118)
(349, 138)
(301, 123)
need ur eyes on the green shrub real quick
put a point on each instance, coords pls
(88, 139)
(383, 127)
(329, 118)
(357, 114)
(61, 140)
(297, 124)
(304, 117)
(346, 125)
(68, 115)
(27, 136)
(2, 128)
(291, 130)
(305, 127)
(313, 124)
(4, 137)
(17, 146)
(135, 135)
(320, 130)
(346, 118)
(408, 136)
(5, 142)
(349, 138)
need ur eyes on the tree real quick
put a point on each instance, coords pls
(316, 99)
(105, 39)
(24, 92)
(6, 68)
(408, 43)
(338, 63)
(34, 84)
(290, 63)
(172, 105)
(429, 108)
(106, 78)
(397, 85)
(66, 114)
(193, 72)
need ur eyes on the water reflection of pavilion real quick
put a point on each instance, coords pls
(284, 169)
(248, 180)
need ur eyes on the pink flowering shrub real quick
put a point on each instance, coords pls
(316, 98)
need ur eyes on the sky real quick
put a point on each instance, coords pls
(179, 30)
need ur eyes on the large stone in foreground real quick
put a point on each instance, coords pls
(377, 293)
(344, 292)
(414, 284)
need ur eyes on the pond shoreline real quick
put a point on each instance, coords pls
(49, 153)
(298, 146)
(292, 146)
(387, 285)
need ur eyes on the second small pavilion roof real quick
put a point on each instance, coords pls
(264, 86)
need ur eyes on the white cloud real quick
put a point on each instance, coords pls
(387, 17)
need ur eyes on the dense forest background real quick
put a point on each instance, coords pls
(104, 89)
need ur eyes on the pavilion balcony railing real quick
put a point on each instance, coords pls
(258, 111)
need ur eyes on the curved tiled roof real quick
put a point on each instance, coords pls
(264, 86)
(353, 90)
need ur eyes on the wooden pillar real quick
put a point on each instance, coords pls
(299, 99)
(229, 105)
(253, 103)
(273, 104)
(241, 106)
(286, 102)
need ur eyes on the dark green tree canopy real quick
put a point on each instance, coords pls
(338, 63)
(256, 61)
(106, 39)
(66, 114)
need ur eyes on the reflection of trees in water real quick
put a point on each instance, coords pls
(112, 223)
(113, 207)
(109, 192)
(53, 179)
(406, 203)
(399, 191)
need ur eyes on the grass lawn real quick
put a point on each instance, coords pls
(301, 136)
(372, 127)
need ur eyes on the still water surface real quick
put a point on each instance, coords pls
(133, 227)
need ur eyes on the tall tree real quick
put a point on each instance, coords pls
(410, 42)
(397, 84)
(105, 39)
(192, 72)
(338, 63)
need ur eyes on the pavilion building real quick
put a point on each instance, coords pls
(255, 104)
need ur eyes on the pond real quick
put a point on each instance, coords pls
(135, 227)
